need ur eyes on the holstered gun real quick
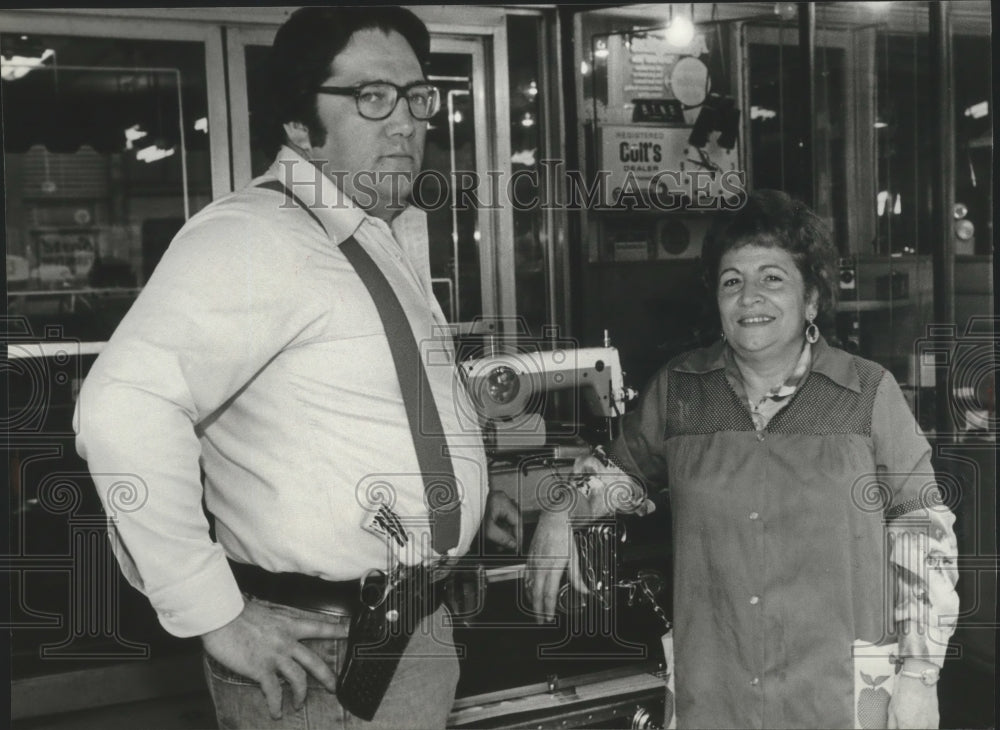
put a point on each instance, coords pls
(392, 607)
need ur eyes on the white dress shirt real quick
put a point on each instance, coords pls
(256, 353)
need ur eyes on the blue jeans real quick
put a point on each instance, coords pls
(420, 696)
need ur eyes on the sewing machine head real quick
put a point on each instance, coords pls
(509, 387)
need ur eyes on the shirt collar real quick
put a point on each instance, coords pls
(835, 364)
(340, 216)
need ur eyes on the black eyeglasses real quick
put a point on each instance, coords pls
(378, 99)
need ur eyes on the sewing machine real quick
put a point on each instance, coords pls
(510, 388)
(600, 662)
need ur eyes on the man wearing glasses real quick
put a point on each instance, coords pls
(260, 352)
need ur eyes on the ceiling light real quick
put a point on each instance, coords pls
(965, 230)
(523, 157)
(759, 112)
(132, 134)
(680, 33)
(882, 198)
(154, 153)
(786, 11)
(17, 67)
(978, 111)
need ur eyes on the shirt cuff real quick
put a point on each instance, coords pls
(207, 601)
(922, 642)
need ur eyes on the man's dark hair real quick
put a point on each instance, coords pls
(772, 218)
(303, 50)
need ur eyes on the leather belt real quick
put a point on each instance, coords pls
(307, 592)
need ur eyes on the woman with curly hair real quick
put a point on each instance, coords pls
(808, 528)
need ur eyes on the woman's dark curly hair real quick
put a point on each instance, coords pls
(773, 218)
(304, 49)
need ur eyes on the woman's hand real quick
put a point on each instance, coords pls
(608, 490)
(913, 704)
(603, 490)
(552, 550)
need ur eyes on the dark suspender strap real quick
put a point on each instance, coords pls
(440, 484)
(440, 489)
(280, 188)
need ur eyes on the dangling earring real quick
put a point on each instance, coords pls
(812, 332)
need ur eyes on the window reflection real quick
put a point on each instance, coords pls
(973, 145)
(776, 118)
(453, 227)
(105, 156)
(527, 148)
(905, 144)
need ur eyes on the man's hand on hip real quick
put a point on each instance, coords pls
(262, 643)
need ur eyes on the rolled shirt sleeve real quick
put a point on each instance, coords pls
(923, 549)
(638, 450)
(213, 313)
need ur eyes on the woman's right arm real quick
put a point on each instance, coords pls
(618, 483)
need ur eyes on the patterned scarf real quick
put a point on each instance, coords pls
(777, 398)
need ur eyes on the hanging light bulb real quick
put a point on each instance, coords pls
(602, 50)
(680, 33)
(786, 11)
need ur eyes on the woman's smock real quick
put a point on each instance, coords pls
(787, 540)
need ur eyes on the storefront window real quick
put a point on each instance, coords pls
(777, 115)
(973, 145)
(528, 146)
(904, 142)
(106, 154)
